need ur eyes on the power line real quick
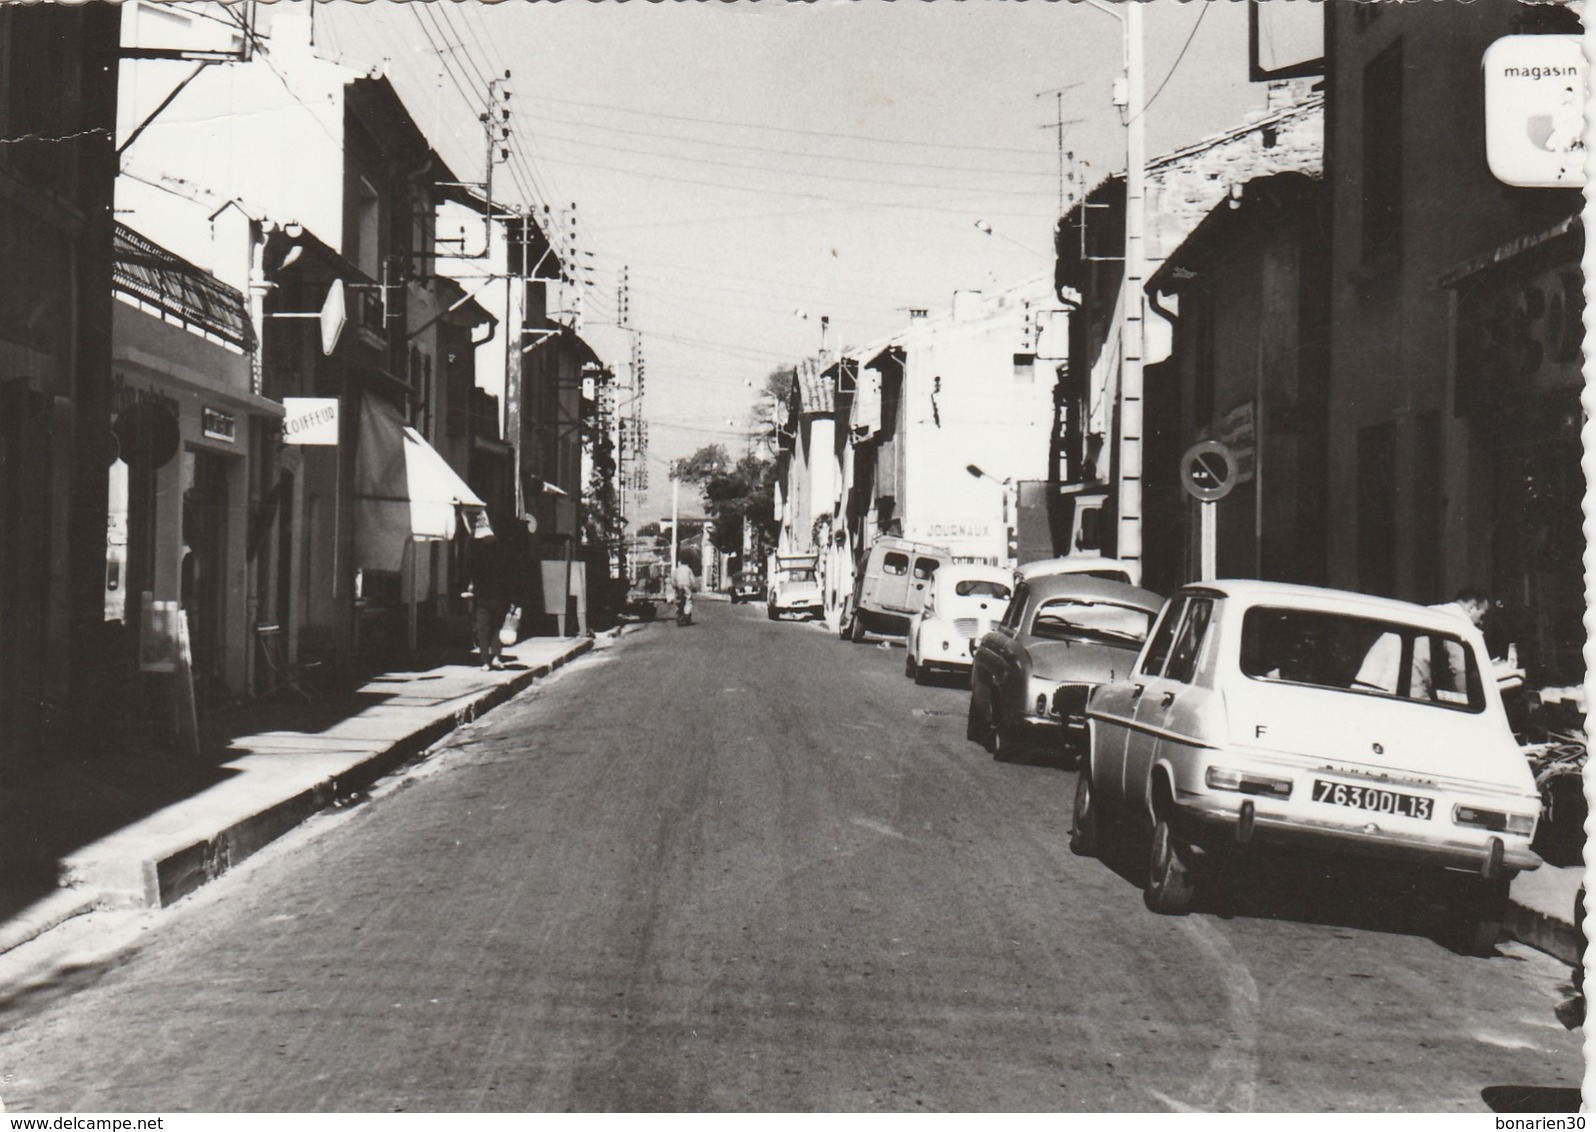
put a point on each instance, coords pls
(805, 155)
(857, 202)
(1201, 12)
(773, 170)
(830, 134)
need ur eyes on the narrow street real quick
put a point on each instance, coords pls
(745, 866)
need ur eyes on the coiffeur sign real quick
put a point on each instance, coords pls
(310, 420)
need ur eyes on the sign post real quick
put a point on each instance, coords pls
(1208, 473)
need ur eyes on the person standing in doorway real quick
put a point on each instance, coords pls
(490, 594)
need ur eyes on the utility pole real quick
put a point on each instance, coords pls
(1059, 124)
(676, 491)
(1129, 543)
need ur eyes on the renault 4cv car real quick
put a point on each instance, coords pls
(961, 604)
(1289, 717)
(1060, 637)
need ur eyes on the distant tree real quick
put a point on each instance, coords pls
(778, 382)
(708, 461)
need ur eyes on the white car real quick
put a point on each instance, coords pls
(962, 603)
(1109, 569)
(795, 590)
(1278, 717)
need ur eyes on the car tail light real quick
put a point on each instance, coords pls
(1495, 820)
(1244, 782)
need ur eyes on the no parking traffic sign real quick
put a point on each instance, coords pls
(1208, 471)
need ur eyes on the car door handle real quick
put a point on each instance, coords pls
(1136, 692)
(1169, 698)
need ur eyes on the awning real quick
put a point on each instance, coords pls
(404, 490)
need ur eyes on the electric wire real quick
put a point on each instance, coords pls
(829, 134)
(920, 185)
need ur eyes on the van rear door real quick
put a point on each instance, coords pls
(892, 588)
(920, 581)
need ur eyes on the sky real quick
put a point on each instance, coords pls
(755, 166)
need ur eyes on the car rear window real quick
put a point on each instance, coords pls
(1108, 575)
(1361, 655)
(895, 564)
(976, 587)
(1072, 619)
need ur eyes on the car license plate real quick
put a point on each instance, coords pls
(1373, 799)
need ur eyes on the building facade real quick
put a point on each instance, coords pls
(56, 230)
(1456, 306)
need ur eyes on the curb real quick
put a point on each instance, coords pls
(176, 872)
(174, 876)
(1544, 932)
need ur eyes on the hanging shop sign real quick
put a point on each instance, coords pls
(217, 425)
(310, 420)
(1535, 110)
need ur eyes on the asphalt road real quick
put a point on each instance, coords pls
(745, 866)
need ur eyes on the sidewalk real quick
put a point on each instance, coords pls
(1542, 913)
(146, 835)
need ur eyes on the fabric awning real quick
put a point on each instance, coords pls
(404, 490)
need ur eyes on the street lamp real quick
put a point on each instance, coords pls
(1007, 485)
(986, 229)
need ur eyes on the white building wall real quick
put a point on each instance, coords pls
(268, 134)
(964, 404)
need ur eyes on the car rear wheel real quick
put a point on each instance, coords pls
(770, 612)
(1479, 913)
(1085, 835)
(977, 726)
(856, 630)
(1171, 886)
(910, 669)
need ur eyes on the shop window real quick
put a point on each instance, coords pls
(116, 542)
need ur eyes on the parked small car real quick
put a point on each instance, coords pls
(962, 604)
(748, 585)
(795, 589)
(1092, 566)
(890, 587)
(1061, 637)
(1277, 716)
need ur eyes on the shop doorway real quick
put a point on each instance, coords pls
(1537, 543)
(204, 577)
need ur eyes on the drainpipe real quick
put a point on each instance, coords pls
(257, 304)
